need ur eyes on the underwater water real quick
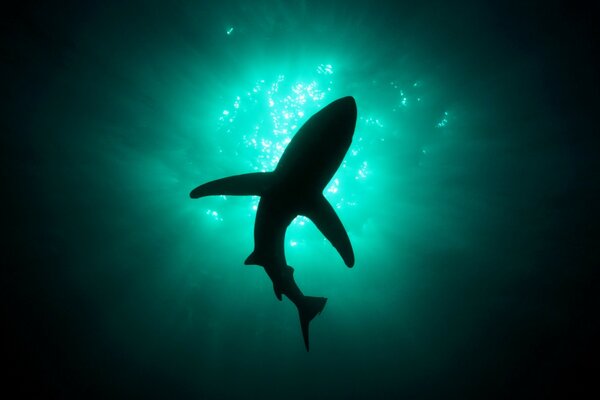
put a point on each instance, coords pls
(467, 194)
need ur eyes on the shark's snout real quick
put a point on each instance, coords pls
(348, 104)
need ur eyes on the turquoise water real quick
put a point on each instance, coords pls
(466, 195)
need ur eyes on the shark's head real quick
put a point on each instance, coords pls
(339, 119)
(317, 150)
(344, 108)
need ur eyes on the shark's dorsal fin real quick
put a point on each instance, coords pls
(325, 218)
(254, 184)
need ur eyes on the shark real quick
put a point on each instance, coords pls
(295, 188)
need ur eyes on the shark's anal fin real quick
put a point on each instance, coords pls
(254, 184)
(328, 222)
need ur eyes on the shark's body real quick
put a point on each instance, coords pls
(295, 188)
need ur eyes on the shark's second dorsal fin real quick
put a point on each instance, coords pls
(254, 184)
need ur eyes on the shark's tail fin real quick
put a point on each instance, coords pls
(309, 308)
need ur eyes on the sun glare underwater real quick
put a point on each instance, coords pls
(251, 128)
(255, 127)
(460, 194)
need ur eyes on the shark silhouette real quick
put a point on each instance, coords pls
(295, 188)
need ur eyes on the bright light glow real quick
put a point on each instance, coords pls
(444, 120)
(373, 122)
(334, 187)
(325, 69)
(286, 102)
(268, 113)
(214, 215)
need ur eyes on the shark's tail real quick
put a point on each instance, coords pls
(308, 309)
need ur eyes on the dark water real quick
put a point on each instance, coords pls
(468, 195)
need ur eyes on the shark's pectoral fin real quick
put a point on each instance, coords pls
(328, 222)
(254, 184)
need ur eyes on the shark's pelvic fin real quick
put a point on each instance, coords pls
(251, 260)
(277, 292)
(328, 222)
(254, 184)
